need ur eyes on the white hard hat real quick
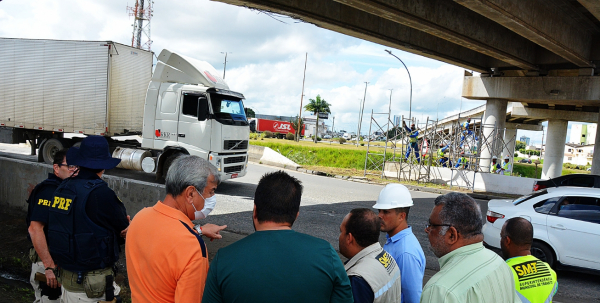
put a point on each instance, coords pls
(393, 196)
(494, 158)
(506, 157)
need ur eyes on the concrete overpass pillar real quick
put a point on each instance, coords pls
(495, 115)
(596, 158)
(555, 148)
(510, 142)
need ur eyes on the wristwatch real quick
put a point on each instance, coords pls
(198, 228)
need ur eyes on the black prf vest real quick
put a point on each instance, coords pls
(75, 242)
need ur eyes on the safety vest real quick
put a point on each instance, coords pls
(535, 281)
(462, 162)
(440, 153)
(75, 242)
(505, 167)
(380, 271)
(413, 139)
(493, 167)
(465, 125)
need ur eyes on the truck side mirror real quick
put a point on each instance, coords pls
(202, 108)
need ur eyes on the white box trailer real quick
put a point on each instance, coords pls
(85, 87)
(52, 87)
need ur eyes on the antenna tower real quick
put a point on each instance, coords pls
(142, 12)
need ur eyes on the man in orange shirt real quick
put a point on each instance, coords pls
(167, 259)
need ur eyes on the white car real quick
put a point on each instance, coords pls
(566, 224)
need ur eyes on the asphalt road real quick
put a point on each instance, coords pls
(325, 202)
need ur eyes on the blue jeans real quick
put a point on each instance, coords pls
(411, 147)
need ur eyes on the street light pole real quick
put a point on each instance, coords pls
(410, 80)
(299, 130)
(362, 109)
(225, 63)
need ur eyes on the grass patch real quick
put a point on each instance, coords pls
(528, 170)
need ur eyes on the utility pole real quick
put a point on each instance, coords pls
(299, 130)
(225, 63)
(362, 108)
(332, 126)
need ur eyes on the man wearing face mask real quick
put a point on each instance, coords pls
(167, 260)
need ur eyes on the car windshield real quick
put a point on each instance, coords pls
(527, 197)
(228, 108)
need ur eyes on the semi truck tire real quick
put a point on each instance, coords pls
(50, 148)
(168, 163)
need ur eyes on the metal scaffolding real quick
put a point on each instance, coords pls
(457, 146)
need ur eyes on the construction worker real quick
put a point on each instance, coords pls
(466, 131)
(413, 144)
(462, 161)
(442, 159)
(535, 281)
(506, 167)
(495, 167)
(394, 203)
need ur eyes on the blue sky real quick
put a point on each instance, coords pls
(267, 55)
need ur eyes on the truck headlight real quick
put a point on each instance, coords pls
(219, 164)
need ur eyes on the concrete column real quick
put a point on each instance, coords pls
(510, 140)
(596, 164)
(555, 148)
(495, 115)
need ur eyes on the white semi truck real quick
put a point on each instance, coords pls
(49, 88)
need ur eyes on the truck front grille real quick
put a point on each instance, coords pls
(235, 159)
(234, 169)
(229, 144)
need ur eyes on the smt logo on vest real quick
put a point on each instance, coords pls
(386, 260)
(61, 203)
(530, 269)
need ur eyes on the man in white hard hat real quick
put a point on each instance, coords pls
(393, 203)
(506, 167)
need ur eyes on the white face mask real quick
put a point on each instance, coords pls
(209, 205)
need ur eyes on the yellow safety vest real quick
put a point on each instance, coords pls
(440, 153)
(493, 167)
(463, 162)
(505, 167)
(413, 139)
(535, 281)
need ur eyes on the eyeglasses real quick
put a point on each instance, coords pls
(70, 167)
(429, 225)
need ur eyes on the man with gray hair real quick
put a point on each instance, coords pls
(166, 258)
(468, 271)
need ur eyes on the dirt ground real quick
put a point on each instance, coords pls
(15, 266)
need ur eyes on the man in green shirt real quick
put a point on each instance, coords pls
(535, 281)
(468, 271)
(277, 264)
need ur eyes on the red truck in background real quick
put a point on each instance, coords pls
(274, 126)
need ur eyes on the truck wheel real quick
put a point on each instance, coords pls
(50, 148)
(168, 163)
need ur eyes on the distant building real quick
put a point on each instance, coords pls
(583, 134)
(525, 140)
(310, 125)
(578, 154)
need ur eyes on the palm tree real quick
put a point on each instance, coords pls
(316, 106)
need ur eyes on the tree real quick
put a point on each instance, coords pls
(519, 145)
(316, 106)
(250, 112)
(297, 129)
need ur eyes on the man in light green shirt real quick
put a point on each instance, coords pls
(468, 271)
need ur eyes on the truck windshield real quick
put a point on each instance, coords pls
(228, 109)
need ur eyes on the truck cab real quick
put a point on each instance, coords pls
(191, 110)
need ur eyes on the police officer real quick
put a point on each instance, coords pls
(535, 281)
(412, 139)
(87, 223)
(37, 223)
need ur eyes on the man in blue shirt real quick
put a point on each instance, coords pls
(393, 204)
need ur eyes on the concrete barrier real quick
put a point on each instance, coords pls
(18, 178)
(487, 182)
(266, 155)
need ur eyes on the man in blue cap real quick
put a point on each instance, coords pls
(87, 223)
